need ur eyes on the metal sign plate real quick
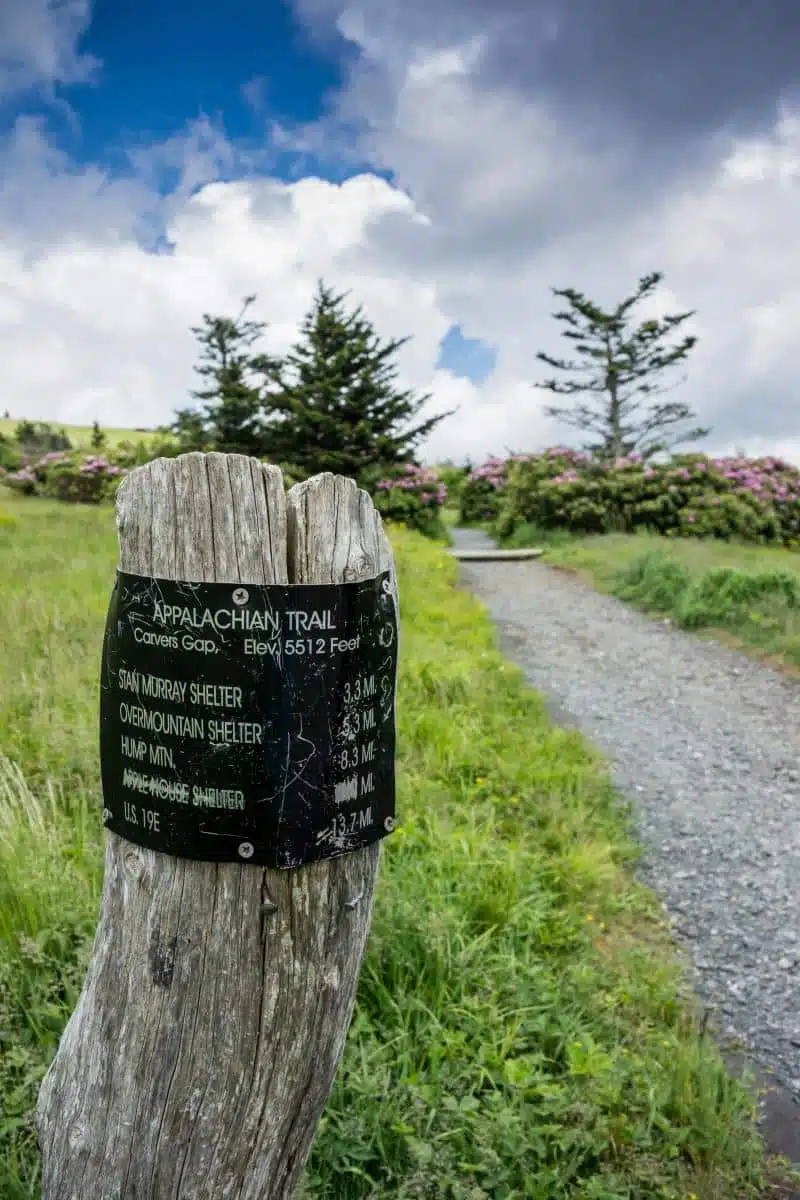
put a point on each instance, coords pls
(243, 723)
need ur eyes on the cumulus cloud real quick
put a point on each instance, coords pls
(498, 192)
(99, 328)
(533, 177)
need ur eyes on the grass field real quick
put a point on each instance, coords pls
(519, 1029)
(746, 595)
(606, 556)
(79, 435)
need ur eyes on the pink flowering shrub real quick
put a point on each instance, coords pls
(689, 496)
(453, 477)
(84, 482)
(412, 496)
(482, 495)
(22, 480)
(61, 475)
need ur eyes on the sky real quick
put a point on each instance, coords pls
(446, 164)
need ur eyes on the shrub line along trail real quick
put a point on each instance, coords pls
(705, 743)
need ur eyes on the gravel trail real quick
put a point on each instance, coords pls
(706, 744)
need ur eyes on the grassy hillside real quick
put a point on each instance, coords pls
(519, 1029)
(79, 435)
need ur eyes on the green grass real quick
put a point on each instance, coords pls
(519, 1029)
(608, 554)
(749, 595)
(79, 435)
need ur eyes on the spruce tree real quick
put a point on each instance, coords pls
(618, 365)
(232, 418)
(191, 430)
(334, 405)
(39, 437)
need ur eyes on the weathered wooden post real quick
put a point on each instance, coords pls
(214, 1013)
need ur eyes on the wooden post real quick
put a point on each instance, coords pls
(215, 1009)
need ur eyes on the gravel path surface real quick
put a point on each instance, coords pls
(706, 743)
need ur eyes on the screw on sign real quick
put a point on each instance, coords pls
(232, 759)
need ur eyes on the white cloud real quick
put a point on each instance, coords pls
(94, 330)
(434, 67)
(521, 198)
(39, 44)
(497, 198)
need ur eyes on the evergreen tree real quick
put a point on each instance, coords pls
(39, 437)
(190, 428)
(618, 368)
(336, 407)
(98, 437)
(231, 418)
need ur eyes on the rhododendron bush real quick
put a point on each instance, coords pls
(76, 478)
(412, 495)
(753, 499)
(482, 493)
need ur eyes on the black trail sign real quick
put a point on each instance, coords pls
(249, 723)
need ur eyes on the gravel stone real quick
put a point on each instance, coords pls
(705, 744)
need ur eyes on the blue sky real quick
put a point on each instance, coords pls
(446, 164)
(160, 66)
